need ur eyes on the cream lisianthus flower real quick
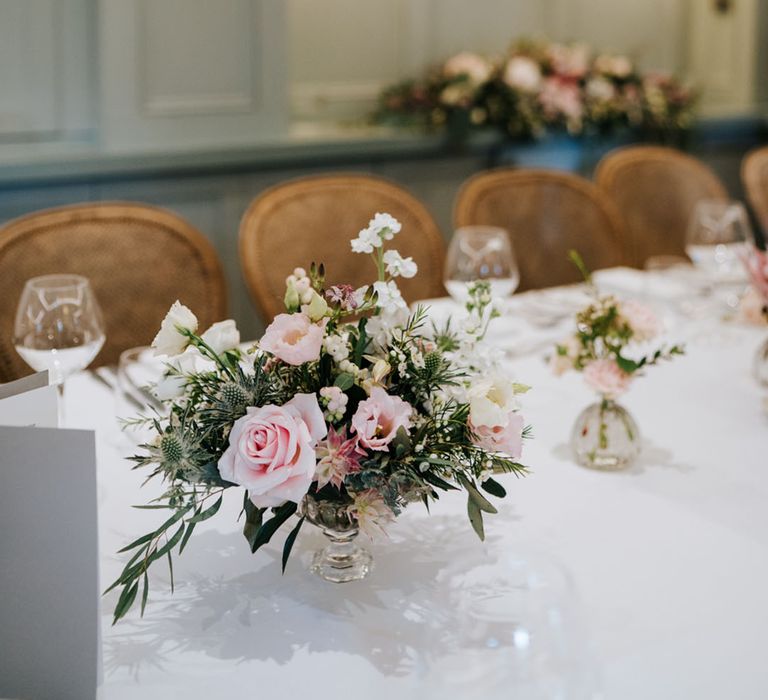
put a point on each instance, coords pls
(491, 401)
(170, 339)
(222, 336)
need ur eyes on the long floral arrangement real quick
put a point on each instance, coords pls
(348, 399)
(541, 86)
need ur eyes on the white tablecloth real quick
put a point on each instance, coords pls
(659, 573)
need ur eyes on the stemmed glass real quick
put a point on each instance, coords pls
(480, 253)
(717, 231)
(58, 326)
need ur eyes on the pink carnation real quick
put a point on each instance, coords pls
(607, 378)
(293, 338)
(378, 418)
(272, 450)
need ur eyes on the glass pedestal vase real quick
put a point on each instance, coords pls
(605, 437)
(760, 365)
(342, 560)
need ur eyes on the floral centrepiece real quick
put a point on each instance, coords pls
(610, 349)
(341, 423)
(540, 86)
(756, 263)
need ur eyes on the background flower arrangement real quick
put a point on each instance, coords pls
(358, 418)
(537, 87)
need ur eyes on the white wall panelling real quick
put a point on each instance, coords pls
(190, 73)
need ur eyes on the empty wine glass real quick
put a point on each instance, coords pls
(58, 327)
(480, 253)
(716, 232)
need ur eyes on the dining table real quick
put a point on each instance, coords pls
(647, 582)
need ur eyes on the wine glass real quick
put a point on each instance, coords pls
(480, 253)
(58, 326)
(717, 232)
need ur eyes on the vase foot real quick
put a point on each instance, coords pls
(342, 568)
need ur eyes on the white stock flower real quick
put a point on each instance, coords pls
(380, 328)
(169, 339)
(385, 226)
(389, 299)
(398, 266)
(222, 336)
(366, 241)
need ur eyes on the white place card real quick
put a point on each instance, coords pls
(49, 583)
(29, 401)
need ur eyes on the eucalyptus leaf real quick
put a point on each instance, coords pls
(344, 381)
(493, 487)
(476, 518)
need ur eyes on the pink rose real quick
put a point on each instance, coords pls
(378, 417)
(293, 338)
(272, 450)
(607, 378)
(502, 438)
(641, 319)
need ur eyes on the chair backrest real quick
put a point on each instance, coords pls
(139, 259)
(754, 176)
(547, 213)
(656, 190)
(312, 219)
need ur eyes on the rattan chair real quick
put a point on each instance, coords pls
(138, 258)
(754, 176)
(312, 219)
(656, 190)
(547, 213)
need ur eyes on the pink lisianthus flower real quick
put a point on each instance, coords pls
(338, 455)
(271, 450)
(371, 512)
(378, 418)
(607, 378)
(293, 338)
(641, 319)
(506, 438)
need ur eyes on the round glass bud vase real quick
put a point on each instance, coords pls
(760, 365)
(342, 560)
(605, 436)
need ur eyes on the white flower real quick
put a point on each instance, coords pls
(389, 299)
(174, 381)
(600, 89)
(222, 336)
(398, 266)
(380, 328)
(169, 339)
(471, 65)
(335, 399)
(385, 226)
(336, 346)
(522, 73)
(366, 241)
(491, 401)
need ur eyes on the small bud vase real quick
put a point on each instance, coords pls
(605, 437)
(760, 365)
(342, 560)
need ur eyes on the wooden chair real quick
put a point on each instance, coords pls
(656, 190)
(312, 219)
(547, 213)
(138, 258)
(754, 176)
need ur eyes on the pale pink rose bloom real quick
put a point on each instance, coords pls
(561, 97)
(502, 438)
(469, 64)
(756, 262)
(293, 338)
(522, 73)
(641, 319)
(378, 417)
(751, 308)
(606, 378)
(271, 450)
